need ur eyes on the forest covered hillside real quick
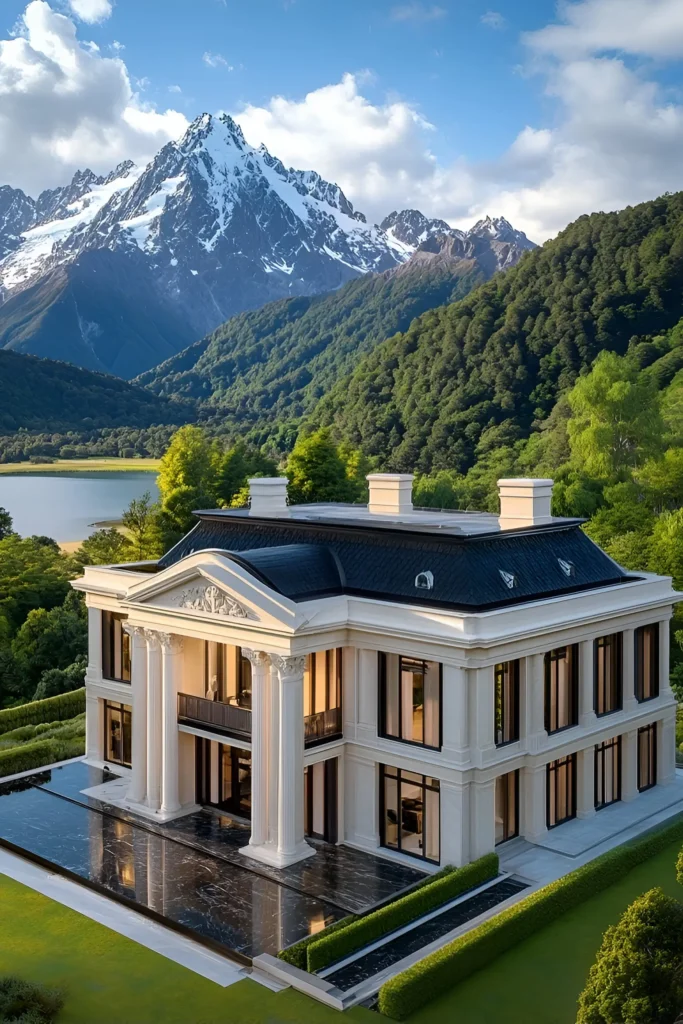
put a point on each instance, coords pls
(485, 371)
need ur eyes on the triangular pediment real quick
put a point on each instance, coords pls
(209, 586)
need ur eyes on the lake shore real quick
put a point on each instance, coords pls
(83, 466)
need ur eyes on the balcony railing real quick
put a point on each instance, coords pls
(213, 714)
(323, 726)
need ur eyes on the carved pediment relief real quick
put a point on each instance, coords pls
(208, 598)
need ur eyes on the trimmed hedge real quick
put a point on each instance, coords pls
(296, 954)
(330, 946)
(35, 755)
(53, 709)
(447, 967)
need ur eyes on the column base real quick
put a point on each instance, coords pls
(157, 814)
(268, 853)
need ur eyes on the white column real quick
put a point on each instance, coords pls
(138, 684)
(483, 696)
(664, 654)
(666, 749)
(534, 824)
(629, 765)
(482, 818)
(172, 649)
(536, 735)
(587, 716)
(260, 667)
(154, 711)
(94, 728)
(455, 823)
(628, 675)
(585, 783)
(94, 672)
(455, 714)
(273, 751)
(291, 845)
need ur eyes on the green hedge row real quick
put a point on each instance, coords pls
(330, 946)
(447, 967)
(53, 709)
(35, 755)
(296, 954)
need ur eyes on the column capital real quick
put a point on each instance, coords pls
(289, 667)
(258, 659)
(171, 642)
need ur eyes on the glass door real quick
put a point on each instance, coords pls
(235, 781)
(320, 800)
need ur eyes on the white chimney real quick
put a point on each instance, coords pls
(524, 503)
(391, 494)
(268, 496)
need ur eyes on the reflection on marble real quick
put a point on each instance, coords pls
(352, 880)
(238, 908)
(412, 941)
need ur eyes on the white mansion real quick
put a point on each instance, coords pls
(414, 683)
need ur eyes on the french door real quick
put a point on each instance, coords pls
(320, 800)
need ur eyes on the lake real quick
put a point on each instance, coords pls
(65, 505)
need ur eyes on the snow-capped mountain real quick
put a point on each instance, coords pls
(120, 272)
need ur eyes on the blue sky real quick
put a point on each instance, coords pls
(524, 108)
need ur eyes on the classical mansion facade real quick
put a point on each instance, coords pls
(416, 683)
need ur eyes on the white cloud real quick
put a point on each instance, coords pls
(64, 106)
(91, 11)
(652, 28)
(493, 19)
(417, 12)
(174, 88)
(216, 60)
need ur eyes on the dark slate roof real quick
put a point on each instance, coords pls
(301, 560)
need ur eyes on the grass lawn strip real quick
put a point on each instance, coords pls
(110, 979)
(83, 466)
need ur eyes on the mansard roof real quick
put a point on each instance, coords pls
(306, 557)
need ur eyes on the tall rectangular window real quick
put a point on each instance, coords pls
(561, 688)
(647, 662)
(561, 790)
(607, 772)
(410, 813)
(507, 807)
(117, 733)
(322, 681)
(227, 674)
(506, 679)
(607, 678)
(410, 700)
(647, 757)
(115, 648)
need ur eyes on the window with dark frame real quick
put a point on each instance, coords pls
(647, 757)
(410, 700)
(561, 688)
(507, 807)
(227, 674)
(410, 814)
(118, 733)
(116, 648)
(608, 674)
(561, 791)
(506, 679)
(647, 662)
(607, 773)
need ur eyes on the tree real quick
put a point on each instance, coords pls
(236, 466)
(49, 639)
(636, 977)
(61, 680)
(103, 547)
(186, 482)
(316, 471)
(140, 523)
(616, 422)
(32, 575)
(5, 523)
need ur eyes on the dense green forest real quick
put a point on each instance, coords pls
(258, 374)
(46, 395)
(105, 442)
(487, 370)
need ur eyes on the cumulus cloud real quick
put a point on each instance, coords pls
(493, 19)
(91, 11)
(417, 12)
(216, 60)
(64, 106)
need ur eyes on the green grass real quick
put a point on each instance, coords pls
(82, 465)
(72, 728)
(107, 978)
(540, 980)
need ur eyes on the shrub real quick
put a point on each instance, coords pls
(447, 967)
(22, 1002)
(637, 973)
(329, 947)
(66, 705)
(61, 680)
(35, 755)
(296, 954)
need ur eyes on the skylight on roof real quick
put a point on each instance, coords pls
(508, 578)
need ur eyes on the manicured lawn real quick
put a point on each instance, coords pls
(82, 465)
(541, 979)
(109, 979)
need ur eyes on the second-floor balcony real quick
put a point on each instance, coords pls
(232, 720)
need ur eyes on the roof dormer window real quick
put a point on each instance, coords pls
(425, 580)
(508, 578)
(568, 568)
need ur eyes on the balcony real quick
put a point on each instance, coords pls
(228, 719)
(322, 727)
